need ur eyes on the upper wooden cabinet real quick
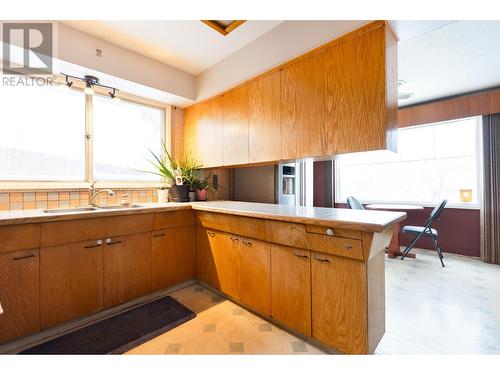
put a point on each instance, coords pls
(338, 98)
(203, 133)
(235, 126)
(264, 119)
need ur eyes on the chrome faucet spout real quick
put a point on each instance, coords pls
(93, 194)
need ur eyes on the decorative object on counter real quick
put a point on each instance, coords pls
(200, 188)
(177, 173)
(162, 194)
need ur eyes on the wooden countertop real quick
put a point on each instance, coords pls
(368, 220)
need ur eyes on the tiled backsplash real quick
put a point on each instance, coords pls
(60, 199)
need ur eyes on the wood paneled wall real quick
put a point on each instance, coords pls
(477, 104)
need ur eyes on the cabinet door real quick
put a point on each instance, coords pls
(303, 97)
(127, 268)
(226, 255)
(71, 281)
(203, 133)
(291, 287)
(255, 275)
(264, 119)
(339, 317)
(235, 126)
(173, 257)
(205, 265)
(19, 294)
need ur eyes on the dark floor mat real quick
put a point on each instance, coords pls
(120, 333)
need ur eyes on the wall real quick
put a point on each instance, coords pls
(284, 42)
(254, 184)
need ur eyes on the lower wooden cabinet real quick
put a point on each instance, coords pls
(127, 268)
(226, 254)
(339, 316)
(19, 294)
(71, 281)
(173, 256)
(255, 274)
(205, 266)
(291, 287)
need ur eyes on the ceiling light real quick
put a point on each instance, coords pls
(66, 86)
(112, 95)
(89, 90)
(404, 96)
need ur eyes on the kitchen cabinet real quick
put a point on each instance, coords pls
(264, 119)
(71, 281)
(203, 133)
(255, 274)
(173, 256)
(291, 287)
(235, 126)
(206, 239)
(338, 98)
(19, 294)
(339, 310)
(226, 255)
(127, 267)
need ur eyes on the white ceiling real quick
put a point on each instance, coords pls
(455, 58)
(190, 46)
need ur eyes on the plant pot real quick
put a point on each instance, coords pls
(201, 195)
(162, 195)
(179, 193)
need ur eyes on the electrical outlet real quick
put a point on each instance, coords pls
(215, 181)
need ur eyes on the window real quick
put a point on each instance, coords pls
(434, 162)
(123, 133)
(42, 136)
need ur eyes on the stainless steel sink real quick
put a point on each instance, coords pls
(117, 207)
(69, 210)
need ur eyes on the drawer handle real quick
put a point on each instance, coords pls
(301, 256)
(97, 244)
(330, 232)
(211, 234)
(158, 235)
(348, 247)
(247, 243)
(235, 239)
(109, 241)
(24, 257)
(322, 260)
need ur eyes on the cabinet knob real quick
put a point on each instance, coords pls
(97, 244)
(108, 240)
(301, 256)
(322, 260)
(211, 234)
(330, 232)
(348, 246)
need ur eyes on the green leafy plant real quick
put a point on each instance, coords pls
(200, 184)
(166, 166)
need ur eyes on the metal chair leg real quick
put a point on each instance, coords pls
(438, 249)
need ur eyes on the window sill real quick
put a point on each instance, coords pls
(20, 186)
(465, 206)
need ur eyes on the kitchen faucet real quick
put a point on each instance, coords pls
(93, 194)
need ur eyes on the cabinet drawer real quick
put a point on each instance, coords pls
(171, 219)
(337, 232)
(289, 234)
(63, 232)
(344, 247)
(19, 237)
(243, 226)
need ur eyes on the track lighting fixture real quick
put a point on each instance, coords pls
(90, 83)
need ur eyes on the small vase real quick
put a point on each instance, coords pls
(201, 195)
(162, 195)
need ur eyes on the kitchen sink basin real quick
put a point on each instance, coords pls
(69, 210)
(117, 207)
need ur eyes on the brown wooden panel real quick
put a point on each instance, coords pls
(291, 287)
(391, 88)
(235, 126)
(302, 131)
(226, 254)
(339, 303)
(338, 232)
(173, 256)
(19, 237)
(71, 281)
(264, 124)
(19, 294)
(172, 219)
(255, 275)
(376, 300)
(345, 247)
(63, 232)
(203, 133)
(243, 226)
(127, 268)
(290, 234)
(204, 263)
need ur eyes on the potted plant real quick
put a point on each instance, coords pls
(178, 175)
(200, 187)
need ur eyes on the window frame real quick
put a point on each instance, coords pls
(458, 205)
(24, 185)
